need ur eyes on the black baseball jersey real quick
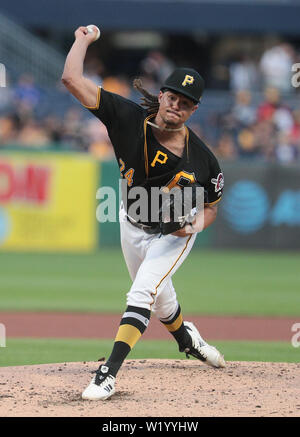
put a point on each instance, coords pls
(144, 162)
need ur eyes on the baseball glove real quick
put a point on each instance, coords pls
(179, 207)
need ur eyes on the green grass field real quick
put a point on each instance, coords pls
(209, 282)
(38, 351)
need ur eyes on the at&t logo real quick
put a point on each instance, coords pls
(247, 208)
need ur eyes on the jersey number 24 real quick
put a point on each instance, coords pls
(128, 174)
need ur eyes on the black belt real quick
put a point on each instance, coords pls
(146, 228)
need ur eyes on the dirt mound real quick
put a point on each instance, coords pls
(154, 388)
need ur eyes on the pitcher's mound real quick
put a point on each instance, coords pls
(154, 388)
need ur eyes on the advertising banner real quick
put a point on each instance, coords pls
(47, 202)
(260, 207)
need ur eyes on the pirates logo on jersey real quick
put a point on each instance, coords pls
(181, 179)
(160, 157)
(218, 182)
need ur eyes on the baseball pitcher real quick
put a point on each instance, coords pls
(155, 150)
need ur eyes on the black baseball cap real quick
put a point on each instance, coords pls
(186, 81)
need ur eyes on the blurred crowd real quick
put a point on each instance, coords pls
(269, 130)
(260, 119)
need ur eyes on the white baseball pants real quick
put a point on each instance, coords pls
(151, 261)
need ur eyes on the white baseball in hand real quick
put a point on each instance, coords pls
(90, 29)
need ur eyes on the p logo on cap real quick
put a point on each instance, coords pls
(188, 80)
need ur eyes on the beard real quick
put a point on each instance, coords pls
(171, 123)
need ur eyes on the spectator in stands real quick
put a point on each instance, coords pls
(265, 135)
(72, 130)
(243, 74)
(285, 151)
(8, 129)
(270, 131)
(276, 66)
(99, 143)
(242, 113)
(226, 147)
(247, 144)
(26, 92)
(54, 129)
(33, 134)
(295, 130)
(267, 108)
(273, 109)
(297, 78)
